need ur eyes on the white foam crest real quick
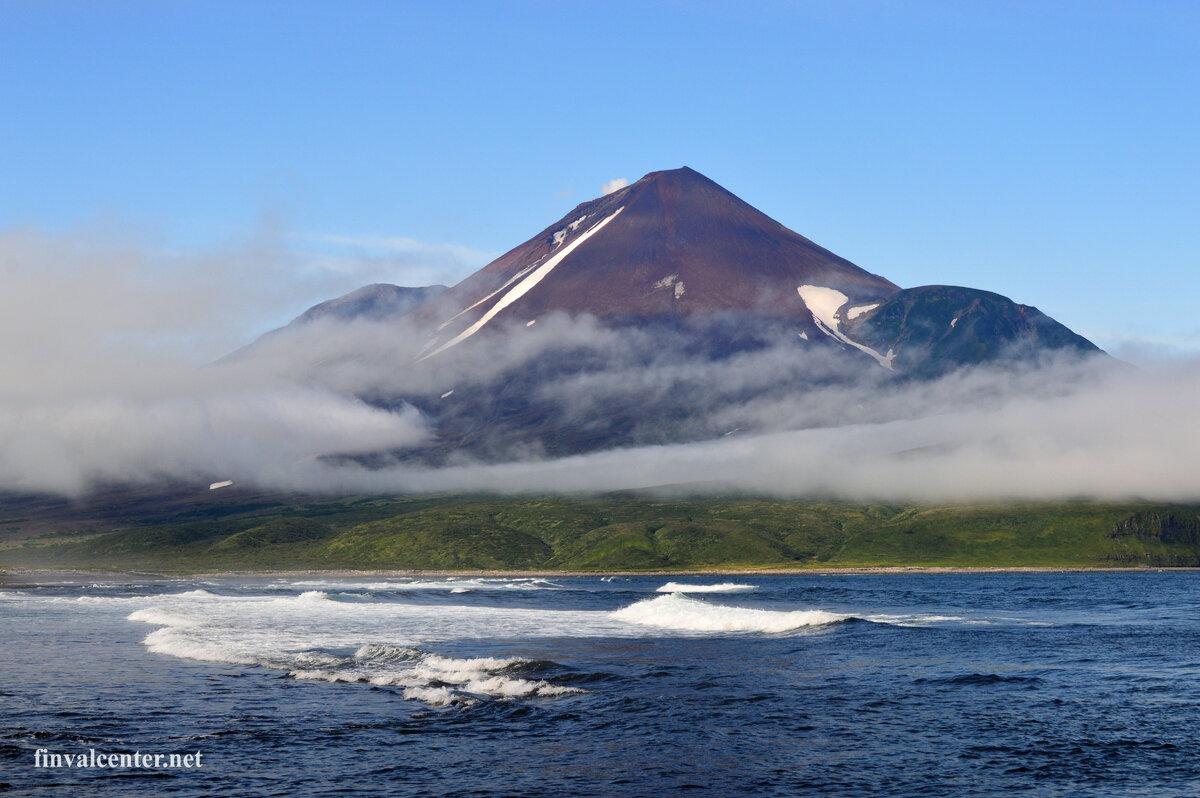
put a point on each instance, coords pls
(452, 584)
(327, 675)
(176, 642)
(437, 696)
(913, 620)
(106, 599)
(316, 659)
(723, 587)
(433, 678)
(381, 652)
(475, 664)
(161, 617)
(506, 687)
(34, 598)
(294, 623)
(678, 612)
(299, 635)
(192, 595)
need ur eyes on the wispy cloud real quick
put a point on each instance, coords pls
(1147, 350)
(394, 259)
(616, 184)
(399, 244)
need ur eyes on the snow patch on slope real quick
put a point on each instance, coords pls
(561, 235)
(858, 310)
(824, 304)
(523, 287)
(507, 283)
(671, 281)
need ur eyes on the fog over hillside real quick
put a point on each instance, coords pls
(107, 375)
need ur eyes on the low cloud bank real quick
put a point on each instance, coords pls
(1113, 436)
(259, 434)
(100, 380)
(103, 373)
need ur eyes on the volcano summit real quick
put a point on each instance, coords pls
(672, 244)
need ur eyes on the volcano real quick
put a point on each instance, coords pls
(675, 248)
(666, 311)
(673, 244)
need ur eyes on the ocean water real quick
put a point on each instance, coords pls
(1048, 684)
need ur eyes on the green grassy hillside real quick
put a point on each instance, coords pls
(455, 533)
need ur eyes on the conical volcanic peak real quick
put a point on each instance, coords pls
(672, 244)
(704, 318)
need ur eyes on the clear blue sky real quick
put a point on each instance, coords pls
(1049, 151)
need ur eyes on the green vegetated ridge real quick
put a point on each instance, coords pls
(457, 533)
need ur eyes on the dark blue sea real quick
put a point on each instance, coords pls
(1046, 684)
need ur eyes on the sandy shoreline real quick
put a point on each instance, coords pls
(15, 578)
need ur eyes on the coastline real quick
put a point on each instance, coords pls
(18, 578)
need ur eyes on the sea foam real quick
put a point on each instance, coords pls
(307, 637)
(723, 587)
(676, 611)
(433, 678)
(452, 584)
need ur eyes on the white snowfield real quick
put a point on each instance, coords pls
(501, 289)
(824, 304)
(671, 281)
(561, 235)
(858, 310)
(523, 287)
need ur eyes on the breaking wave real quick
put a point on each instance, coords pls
(424, 650)
(307, 636)
(452, 584)
(723, 587)
(436, 679)
(676, 611)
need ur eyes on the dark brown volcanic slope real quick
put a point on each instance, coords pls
(674, 243)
